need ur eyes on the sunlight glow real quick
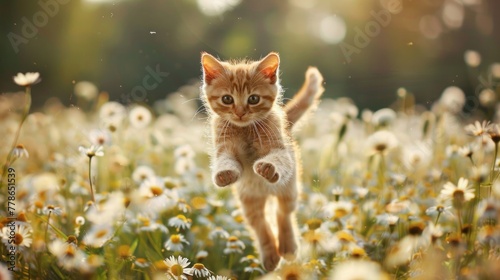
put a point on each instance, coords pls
(102, 1)
(430, 26)
(216, 7)
(453, 14)
(332, 29)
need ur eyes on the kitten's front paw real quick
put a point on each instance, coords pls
(226, 177)
(266, 170)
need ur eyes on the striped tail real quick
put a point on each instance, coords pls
(307, 98)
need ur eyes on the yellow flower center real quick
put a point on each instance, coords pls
(182, 217)
(358, 252)
(198, 266)
(380, 147)
(177, 270)
(459, 195)
(38, 204)
(70, 252)
(198, 202)
(101, 233)
(175, 238)
(155, 190)
(18, 239)
(22, 217)
(72, 239)
(232, 238)
(340, 212)
(170, 185)
(345, 237)
(124, 251)
(314, 223)
(312, 237)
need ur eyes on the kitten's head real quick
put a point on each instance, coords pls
(241, 92)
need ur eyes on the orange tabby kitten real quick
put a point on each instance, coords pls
(251, 133)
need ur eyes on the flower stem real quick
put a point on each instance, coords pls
(18, 132)
(492, 172)
(90, 180)
(47, 228)
(386, 193)
(437, 218)
(459, 217)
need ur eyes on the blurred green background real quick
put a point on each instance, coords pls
(115, 44)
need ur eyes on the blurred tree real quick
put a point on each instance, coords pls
(116, 44)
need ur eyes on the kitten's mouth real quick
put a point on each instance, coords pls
(241, 121)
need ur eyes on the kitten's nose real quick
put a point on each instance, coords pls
(239, 112)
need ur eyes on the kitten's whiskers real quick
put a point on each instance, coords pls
(257, 132)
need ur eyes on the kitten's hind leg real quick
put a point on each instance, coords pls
(253, 208)
(286, 236)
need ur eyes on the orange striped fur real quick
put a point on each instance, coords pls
(251, 135)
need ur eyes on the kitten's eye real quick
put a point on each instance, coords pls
(227, 99)
(253, 99)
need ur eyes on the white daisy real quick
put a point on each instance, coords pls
(51, 209)
(477, 128)
(218, 232)
(460, 193)
(177, 267)
(383, 117)
(493, 131)
(68, 255)
(152, 187)
(234, 245)
(184, 151)
(142, 263)
(381, 142)
(21, 235)
(337, 209)
(180, 222)
(140, 117)
(143, 172)
(176, 243)
(80, 220)
(112, 111)
(201, 255)
(100, 137)
(20, 151)
(357, 270)
(91, 151)
(198, 270)
(439, 209)
(149, 226)
(98, 235)
(217, 277)
(27, 79)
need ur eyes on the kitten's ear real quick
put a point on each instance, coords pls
(269, 66)
(212, 68)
